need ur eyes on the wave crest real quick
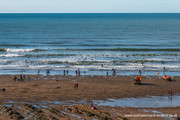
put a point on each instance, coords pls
(10, 55)
(20, 50)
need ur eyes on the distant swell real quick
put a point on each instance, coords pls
(122, 49)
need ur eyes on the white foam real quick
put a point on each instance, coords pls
(161, 66)
(19, 50)
(10, 55)
(159, 59)
(73, 59)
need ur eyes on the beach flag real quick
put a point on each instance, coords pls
(158, 73)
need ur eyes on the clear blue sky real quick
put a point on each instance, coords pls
(89, 6)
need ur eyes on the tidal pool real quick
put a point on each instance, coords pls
(142, 102)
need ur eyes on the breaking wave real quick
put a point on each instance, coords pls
(20, 50)
(11, 55)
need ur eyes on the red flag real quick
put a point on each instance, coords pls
(158, 73)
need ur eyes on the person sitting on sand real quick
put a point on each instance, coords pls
(166, 77)
(14, 78)
(74, 85)
(138, 79)
(93, 107)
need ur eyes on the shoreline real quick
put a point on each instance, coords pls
(89, 73)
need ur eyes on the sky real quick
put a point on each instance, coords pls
(89, 6)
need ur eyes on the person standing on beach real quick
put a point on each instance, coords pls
(164, 70)
(101, 65)
(77, 85)
(113, 72)
(24, 77)
(67, 72)
(170, 93)
(140, 72)
(21, 77)
(64, 72)
(47, 72)
(78, 72)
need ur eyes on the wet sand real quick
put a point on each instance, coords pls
(37, 88)
(60, 88)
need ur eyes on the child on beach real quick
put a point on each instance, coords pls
(75, 85)
(14, 78)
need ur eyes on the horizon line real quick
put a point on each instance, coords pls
(87, 13)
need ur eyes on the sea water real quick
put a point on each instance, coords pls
(93, 43)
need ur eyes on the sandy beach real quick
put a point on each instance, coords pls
(37, 88)
(60, 88)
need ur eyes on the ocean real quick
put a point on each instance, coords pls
(93, 43)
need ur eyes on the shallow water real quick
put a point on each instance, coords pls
(139, 102)
(142, 102)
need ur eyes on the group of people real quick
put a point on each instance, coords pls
(75, 85)
(138, 79)
(21, 77)
(78, 72)
(65, 72)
